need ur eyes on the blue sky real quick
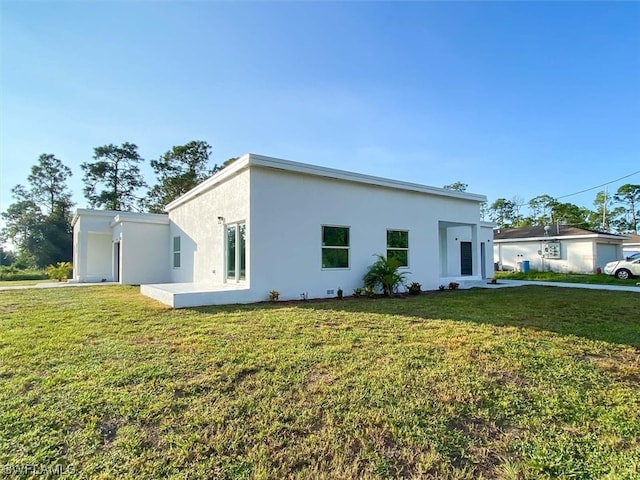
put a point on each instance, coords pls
(513, 98)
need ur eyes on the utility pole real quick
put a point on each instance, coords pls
(605, 226)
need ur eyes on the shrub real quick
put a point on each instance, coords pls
(358, 292)
(274, 295)
(384, 273)
(441, 287)
(453, 285)
(13, 274)
(60, 271)
(414, 288)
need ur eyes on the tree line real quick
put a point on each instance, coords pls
(618, 212)
(38, 222)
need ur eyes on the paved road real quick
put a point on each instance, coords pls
(593, 286)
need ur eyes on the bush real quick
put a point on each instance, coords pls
(358, 292)
(453, 285)
(384, 273)
(60, 271)
(13, 274)
(274, 295)
(414, 288)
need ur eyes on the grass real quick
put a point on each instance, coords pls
(565, 277)
(528, 382)
(21, 283)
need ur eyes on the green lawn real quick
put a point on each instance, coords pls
(531, 382)
(21, 283)
(565, 277)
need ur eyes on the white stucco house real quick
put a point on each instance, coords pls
(556, 248)
(631, 244)
(265, 224)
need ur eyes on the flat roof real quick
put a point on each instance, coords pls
(252, 159)
(119, 216)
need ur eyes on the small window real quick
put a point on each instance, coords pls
(398, 246)
(176, 252)
(335, 247)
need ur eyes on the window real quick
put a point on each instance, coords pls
(335, 247)
(176, 252)
(236, 252)
(398, 246)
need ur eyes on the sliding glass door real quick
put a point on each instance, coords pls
(236, 252)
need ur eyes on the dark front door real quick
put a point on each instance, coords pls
(116, 262)
(466, 258)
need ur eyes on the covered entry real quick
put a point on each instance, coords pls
(463, 251)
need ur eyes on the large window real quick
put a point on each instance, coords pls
(398, 246)
(335, 247)
(236, 252)
(176, 252)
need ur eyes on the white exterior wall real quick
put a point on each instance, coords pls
(202, 237)
(289, 209)
(92, 249)
(576, 255)
(144, 257)
(486, 237)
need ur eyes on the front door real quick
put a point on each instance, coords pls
(466, 258)
(116, 262)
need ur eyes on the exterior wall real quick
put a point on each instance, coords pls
(289, 209)
(144, 256)
(98, 260)
(486, 237)
(202, 237)
(576, 255)
(629, 248)
(92, 249)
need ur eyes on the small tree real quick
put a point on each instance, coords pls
(60, 271)
(384, 273)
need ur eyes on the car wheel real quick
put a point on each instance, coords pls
(623, 274)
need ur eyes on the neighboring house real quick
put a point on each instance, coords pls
(265, 224)
(631, 244)
(557, 248)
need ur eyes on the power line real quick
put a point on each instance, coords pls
(599, 186)
(586, 189)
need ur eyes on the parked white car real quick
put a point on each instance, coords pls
(624, 269)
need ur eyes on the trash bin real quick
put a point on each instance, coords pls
(525, 266)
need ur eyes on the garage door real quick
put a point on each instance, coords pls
(605, 254)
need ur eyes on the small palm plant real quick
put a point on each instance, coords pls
(60, 271)
(384, 273)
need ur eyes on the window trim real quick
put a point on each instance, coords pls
(335, 247)
(177, 251)
(400, 249)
